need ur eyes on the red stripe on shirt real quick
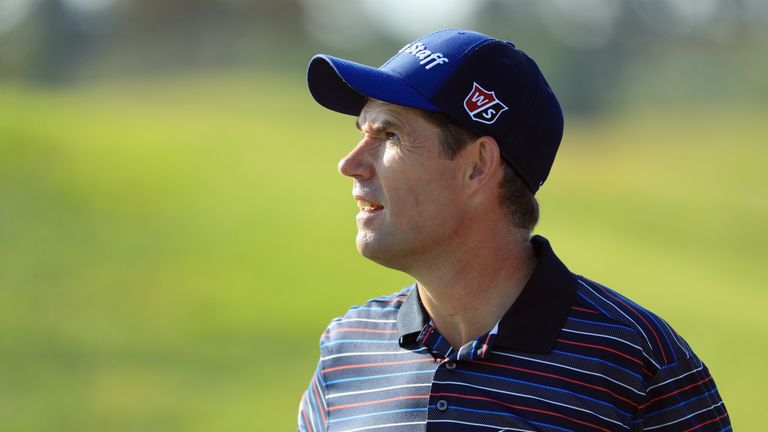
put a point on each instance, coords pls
(357, 329)
(485, 345)
(355, 366)
(658, 341)
(426, 336)
(602, 348)
(523, 408)
(561, 378)
(376, 402)
(306, 420)
(707, 422)
(583, 310)
(319, 401)
(646, 371)
(676, 391)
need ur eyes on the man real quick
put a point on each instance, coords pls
(459, 131)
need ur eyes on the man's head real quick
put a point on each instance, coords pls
(459, 131)
(486, 85)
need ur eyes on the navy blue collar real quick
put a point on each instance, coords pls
(532, 323)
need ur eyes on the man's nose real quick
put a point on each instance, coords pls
(356, 163)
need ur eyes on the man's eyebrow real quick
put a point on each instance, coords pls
(378, 126)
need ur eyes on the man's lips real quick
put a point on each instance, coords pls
(367, 205)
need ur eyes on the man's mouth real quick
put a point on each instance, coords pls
(368, 206)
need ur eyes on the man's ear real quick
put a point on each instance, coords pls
(482, 163)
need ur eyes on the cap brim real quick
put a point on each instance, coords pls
(344, 86)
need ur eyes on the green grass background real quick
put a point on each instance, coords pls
(171, 249)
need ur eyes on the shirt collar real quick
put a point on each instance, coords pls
(534, 320)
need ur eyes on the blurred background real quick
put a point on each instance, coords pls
(174, 236)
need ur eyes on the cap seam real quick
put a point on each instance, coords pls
(526, 119)
(418, 40)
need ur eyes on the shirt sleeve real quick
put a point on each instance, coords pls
(682, 397)
(313, 409)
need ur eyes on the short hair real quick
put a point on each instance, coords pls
(515, 198)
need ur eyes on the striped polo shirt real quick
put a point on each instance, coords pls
(569, 355)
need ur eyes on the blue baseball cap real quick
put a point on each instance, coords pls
(485, 84)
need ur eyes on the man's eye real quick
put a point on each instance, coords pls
(392, 136)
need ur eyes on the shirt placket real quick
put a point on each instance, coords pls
(448, 371)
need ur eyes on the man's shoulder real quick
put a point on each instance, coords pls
(370, 325)
(380, 307)
(613, 315)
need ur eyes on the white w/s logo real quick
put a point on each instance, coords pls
(480, 101)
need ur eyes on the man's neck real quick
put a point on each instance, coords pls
(471, 290)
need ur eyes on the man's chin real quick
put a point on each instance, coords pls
(366, 244)
(376, 251)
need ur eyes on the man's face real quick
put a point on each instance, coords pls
(407, 190)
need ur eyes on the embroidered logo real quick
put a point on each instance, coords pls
(482, 105)
(428, 58)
